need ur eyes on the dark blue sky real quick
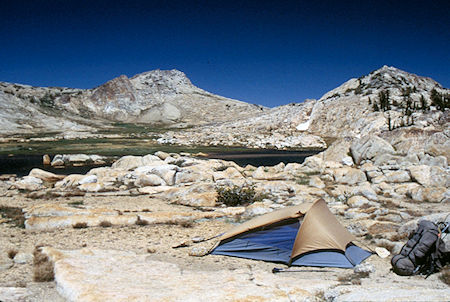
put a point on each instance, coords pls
(263, 52)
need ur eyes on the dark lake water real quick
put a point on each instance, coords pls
(22, 164)
(264, 157)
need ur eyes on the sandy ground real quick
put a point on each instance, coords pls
(154, 240)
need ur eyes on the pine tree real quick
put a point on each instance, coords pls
(384, 100)
(375, 107)
(441, 102)
(423, 103)
(389, 122)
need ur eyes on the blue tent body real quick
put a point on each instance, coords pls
(275, 243)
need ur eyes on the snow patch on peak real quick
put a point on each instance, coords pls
(303, 126)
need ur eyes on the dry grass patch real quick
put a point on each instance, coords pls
(13, 214)
(311, 173)
(389, 204)
(445, 275)
(320, 295)
(354, 278)
(43, 267)
(366, 206)
(80, 225)
(185, 223)
(382, 228)
(76, 203)
(105, 224)
(141, 222)
(12, 254)
(368, 209)
(387, 245)
(399, 237)
(302, 180)
(413, 213)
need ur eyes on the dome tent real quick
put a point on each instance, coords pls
(303, 235)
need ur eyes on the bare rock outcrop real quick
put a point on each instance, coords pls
(163, 281)
(154, 97)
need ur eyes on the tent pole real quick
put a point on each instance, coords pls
(276, 270)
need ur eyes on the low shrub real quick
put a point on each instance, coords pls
(237, 195)
(12, 254)
(445, 276)
(14, 215)
(141, 222)
(354, 278)
(43, 267)
(80, 225)
(76, 203)
(105, 224)
(303, 180)
(185, 223)
(399, 237)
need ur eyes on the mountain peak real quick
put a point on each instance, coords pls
(384, 78)
(385, 68)
(171, 79)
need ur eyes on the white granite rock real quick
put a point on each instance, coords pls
(357, 201)
(149, 180)
(14, 294)
(431, 194)
(5, 263)
(128, 162)
(22, 258)
(77, 277)
(29, 183)
(88, 179)
(430, 176)
(349, 176)
(162, 155)
(397, 176)
(71, 180)
(369, 147)
(364, 268)
(391, 293)
(45, 176)
(316, 182)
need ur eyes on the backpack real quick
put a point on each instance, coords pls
(423, 253)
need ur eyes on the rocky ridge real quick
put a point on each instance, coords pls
(346, 111)
(154, 97)
(168, 97)
(275, 129)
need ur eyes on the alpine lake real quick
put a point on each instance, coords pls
(20, 154)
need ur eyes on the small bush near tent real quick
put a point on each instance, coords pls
(236, 195)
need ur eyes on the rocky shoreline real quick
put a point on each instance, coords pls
(137, 209)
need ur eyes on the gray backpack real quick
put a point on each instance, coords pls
(423, 253)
